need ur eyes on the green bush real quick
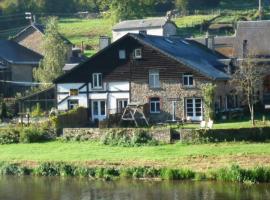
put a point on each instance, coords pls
(48, 169)
(14, 169)
(229, 135)
(9, 136)
(122, 137)
(37, 111)
(34, 134)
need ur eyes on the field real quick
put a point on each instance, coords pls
(199, 157)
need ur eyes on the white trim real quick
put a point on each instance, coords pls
(98, 76)
(138, 53)
(155, 102)
(188, 76)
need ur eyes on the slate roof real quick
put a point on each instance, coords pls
(190, 53)
(41, 29)
(219, 40)
(15, 53)
(142, 24)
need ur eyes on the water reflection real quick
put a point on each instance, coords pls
(41, 188)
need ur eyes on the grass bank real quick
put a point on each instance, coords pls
(198, 157)
(229, 174)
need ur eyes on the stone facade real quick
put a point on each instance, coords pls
(168, 92)
(95, 134)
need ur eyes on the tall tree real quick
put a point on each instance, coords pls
(55, 53)
(130, 9)
(247, 80)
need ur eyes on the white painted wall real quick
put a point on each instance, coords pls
(155, 31)
(110, 92)
(167, 30)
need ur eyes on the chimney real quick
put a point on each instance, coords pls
(104, 41)
(210, 41)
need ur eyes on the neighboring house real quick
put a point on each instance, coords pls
(153, 26)
(32, 37)
(164, 73)
(16, 65)
(222, 44)
(251, 38)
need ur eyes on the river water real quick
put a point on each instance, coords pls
(44, 188)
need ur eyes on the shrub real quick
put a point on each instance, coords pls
(37, 111)
(9, 136)
(85, 172)
(34, 134)
(123, 137)
(48, 169)
(14, 169)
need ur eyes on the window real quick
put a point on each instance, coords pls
(73, 92)
(232, 101)
(97, 80)
(73, 103)
(154, 79)
(245, 48)
(155, 105)
(138, 53)
(121, 105)
(188, 80)
(122, 54)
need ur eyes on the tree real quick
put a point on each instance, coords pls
(130, 9)
(182, 5)
(208, 91)
(55, 53)
(247, 80)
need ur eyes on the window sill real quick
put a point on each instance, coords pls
(154, 113)
(154, 88)
(188, 86)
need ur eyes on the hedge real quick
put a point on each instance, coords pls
(220, 135)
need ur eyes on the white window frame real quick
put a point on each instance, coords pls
(122, 54)
(154, 74)
(188, 76)
(122, 102)
(138, 53)
(155, 102)
(96, 78)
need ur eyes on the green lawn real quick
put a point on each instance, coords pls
(85, 30)
(162, 155)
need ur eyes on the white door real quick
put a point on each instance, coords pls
(98, 110)
(194, 109)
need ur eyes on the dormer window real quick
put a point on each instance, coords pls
(122, 54)
(138, 53)
(97, 81)
(188, 80)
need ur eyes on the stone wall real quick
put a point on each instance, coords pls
(95, 134)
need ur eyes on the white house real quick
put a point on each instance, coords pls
(152, 26)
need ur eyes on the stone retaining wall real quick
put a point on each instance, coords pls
(95, 134)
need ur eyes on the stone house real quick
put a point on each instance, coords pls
(153, 26)
(16, 66)
(164, 73)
